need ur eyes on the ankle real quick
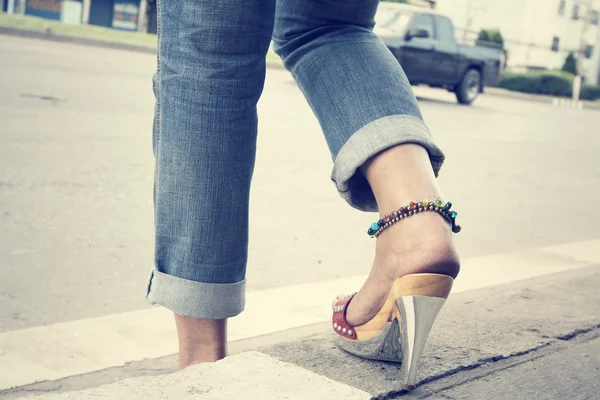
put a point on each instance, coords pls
(399, 175)
(200, 340)
(204, 355)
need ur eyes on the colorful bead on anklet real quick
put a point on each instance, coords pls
(414, 208)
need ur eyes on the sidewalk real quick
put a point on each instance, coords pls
(538, 338)
(494, 91)
(88, 35)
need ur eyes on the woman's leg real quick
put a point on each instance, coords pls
(383, 152)
(210, 76)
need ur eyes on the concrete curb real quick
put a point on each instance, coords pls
(474, 330)
(249, 375)
(477, 330)
(498, 92)
(49, 35)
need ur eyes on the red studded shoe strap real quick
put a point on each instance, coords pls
(340, 325)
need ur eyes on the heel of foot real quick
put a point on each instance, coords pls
(426, 284)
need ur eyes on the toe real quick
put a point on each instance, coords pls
(337, 298)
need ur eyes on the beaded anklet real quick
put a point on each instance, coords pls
(414, 208)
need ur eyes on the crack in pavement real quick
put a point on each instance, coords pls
(484, 361)
(53, 99)
(491, 360)
(577, 332)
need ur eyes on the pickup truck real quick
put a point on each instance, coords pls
(423, 42)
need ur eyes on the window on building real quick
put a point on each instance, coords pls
(555, 43)
(588, 51)
(575, 15)
(594, 17)
(561, 7)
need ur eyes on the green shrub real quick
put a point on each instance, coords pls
(519, 82)
(553, 83)
(496, 37)
(570, 64)
(492, 36)
(590, 92)
(483, 35)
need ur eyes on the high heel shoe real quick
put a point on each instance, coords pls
(400, 329)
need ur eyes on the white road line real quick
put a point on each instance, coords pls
(76, 347)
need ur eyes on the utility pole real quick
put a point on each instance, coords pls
(582, 44)
(531, 26)
(85, 13)
(594, 71)
(581, 53)
(142, 17)
(469, 21)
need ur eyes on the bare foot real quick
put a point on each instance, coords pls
(422, 243)
(419, 244)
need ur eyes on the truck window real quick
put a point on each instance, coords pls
(424, 21)
(445, 30)
(392, 19)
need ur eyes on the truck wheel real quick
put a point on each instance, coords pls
(468, 89)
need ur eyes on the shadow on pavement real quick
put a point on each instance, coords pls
(438, 101)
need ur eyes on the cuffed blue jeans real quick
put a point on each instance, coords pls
(211, 70)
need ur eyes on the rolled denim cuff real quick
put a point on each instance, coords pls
(370, 140)
(196, 299)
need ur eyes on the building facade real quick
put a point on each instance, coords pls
(117, 14)
(538, 34)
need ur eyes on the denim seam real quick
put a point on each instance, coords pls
(158, 103)
(157, 108)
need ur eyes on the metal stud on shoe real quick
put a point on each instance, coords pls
(415, 300)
